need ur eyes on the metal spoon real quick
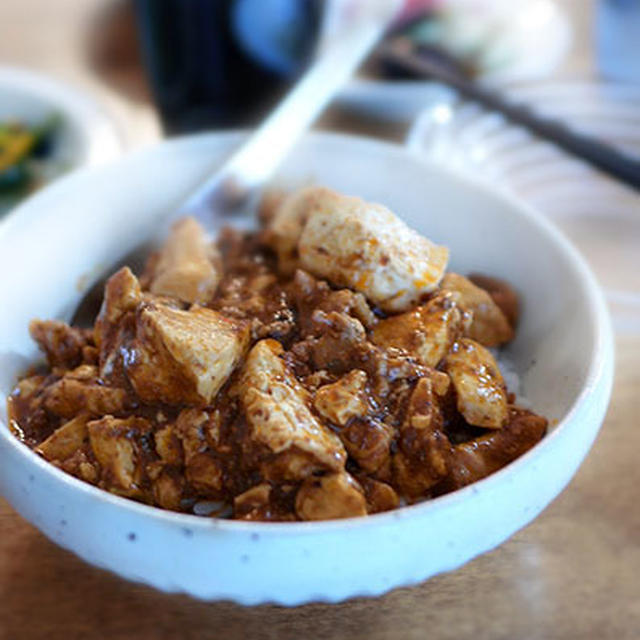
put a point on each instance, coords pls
(356, 27)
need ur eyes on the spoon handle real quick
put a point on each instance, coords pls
(342, 49)
(257, 159)
(600, 155)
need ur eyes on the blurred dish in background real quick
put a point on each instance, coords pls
(25, 152)
(599, 214)
(503, 41)
(46, 129)
(225, 63)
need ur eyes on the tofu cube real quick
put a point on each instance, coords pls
(183, 357)
(480, 389)
(65, 440)
(330, 497)
(114, 444)
(344, 399)
(277, 409)
(81, 390)
(365, 247)
(426, 333)
(489, 325)
(287, 223)
(187, 264)
(356, 244)
(122, 294)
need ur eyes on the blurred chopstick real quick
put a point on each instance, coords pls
(401, 54)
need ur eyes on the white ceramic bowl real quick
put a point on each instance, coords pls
(563, 353)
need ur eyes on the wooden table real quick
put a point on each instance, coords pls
(573, 573)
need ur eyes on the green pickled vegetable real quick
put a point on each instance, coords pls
(23, 147)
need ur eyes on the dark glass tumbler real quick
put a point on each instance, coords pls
(223, 63)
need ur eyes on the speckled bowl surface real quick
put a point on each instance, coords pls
(563, 354)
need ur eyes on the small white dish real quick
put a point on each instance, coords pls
(512, 41)
(85, 136)
(563, 353)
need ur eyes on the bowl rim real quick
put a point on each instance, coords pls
(601, 357)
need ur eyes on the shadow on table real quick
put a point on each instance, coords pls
(50, 593)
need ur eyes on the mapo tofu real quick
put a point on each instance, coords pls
(324, 366)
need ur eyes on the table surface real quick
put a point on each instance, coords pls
(573, 573)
